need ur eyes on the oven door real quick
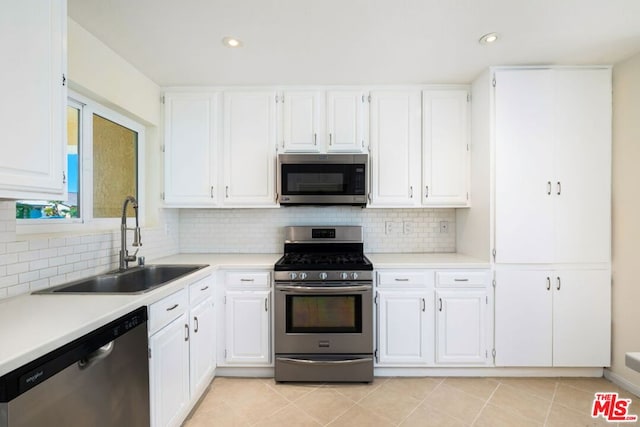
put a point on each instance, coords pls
(320, 318)
(322, 179)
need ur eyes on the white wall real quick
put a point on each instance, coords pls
(261, 230)
(626, 212)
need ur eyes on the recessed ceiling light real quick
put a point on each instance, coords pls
(488, 38)
(231, 42)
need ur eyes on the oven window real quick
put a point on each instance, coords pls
(324, 314)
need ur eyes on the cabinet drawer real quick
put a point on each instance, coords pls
(200, 290)
(462, 279)
(256, 278)
(161, 313)
(401, 278)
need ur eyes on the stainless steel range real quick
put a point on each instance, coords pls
(324, 306)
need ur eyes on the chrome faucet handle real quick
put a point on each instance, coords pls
(141, 261)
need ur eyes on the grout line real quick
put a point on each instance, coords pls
(553, 398)
(486, 402)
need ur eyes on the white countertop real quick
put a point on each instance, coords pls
(33, 325)
(425, 260)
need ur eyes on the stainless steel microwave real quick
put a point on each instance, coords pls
(323, 179)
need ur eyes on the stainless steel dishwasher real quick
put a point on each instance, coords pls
(100, 379)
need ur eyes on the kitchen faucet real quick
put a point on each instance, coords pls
(125, 258)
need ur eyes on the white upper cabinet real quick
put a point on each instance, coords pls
(33, 104)
(553, 165)
(445, 148)
(301, 121)
(345, 121)
(249, 148)
(315, 121)
(395, 148)
(582, 131)
(191, 149)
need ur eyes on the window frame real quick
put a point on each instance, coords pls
(88, 107)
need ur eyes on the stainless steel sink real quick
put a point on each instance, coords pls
(135, 280)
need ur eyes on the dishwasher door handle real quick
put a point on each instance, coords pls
(93, 358)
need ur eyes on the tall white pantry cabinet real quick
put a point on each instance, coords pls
(551, 210)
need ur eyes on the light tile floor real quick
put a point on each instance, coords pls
(423, 402)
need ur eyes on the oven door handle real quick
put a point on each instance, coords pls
(323, 289)
(325, 362)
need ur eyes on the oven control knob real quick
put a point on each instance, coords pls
(344, 276)
(293, 276)
(322, 276)
(303, 276)
(354, 275)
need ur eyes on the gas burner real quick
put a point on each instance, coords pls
(323, 254)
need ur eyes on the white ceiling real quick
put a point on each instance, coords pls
(178, 42)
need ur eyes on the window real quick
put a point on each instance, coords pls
(104, 161)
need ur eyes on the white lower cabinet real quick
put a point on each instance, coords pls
(557, 318)
(404, 300)
(169, 360)
(181, 352)
(404, 319)
(246, 319)
(463, 317)
(247, 327)
(202, 340)
(461, 323)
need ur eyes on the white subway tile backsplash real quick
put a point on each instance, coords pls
(38, 244)
(261, 230)
(37, 285)
(28, 276)
(22, 288)
(21, 267)
(28, 264)
(14, 247)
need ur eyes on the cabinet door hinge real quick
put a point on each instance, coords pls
(493, 252)
(493, 82)
(64, 80)
(225, 353)
(376, 299)
(486, 354)
(369, 99)
(162, 148)
(162, 195)
(493, 282)
(276, 197)
(468, 147)
(468, 97)
(486, 299)
(467, 195)
(149, 352)
(493, 353)
(375, 353)
(225, 301)
(363, 143)
(162, 99)
(64, 177)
